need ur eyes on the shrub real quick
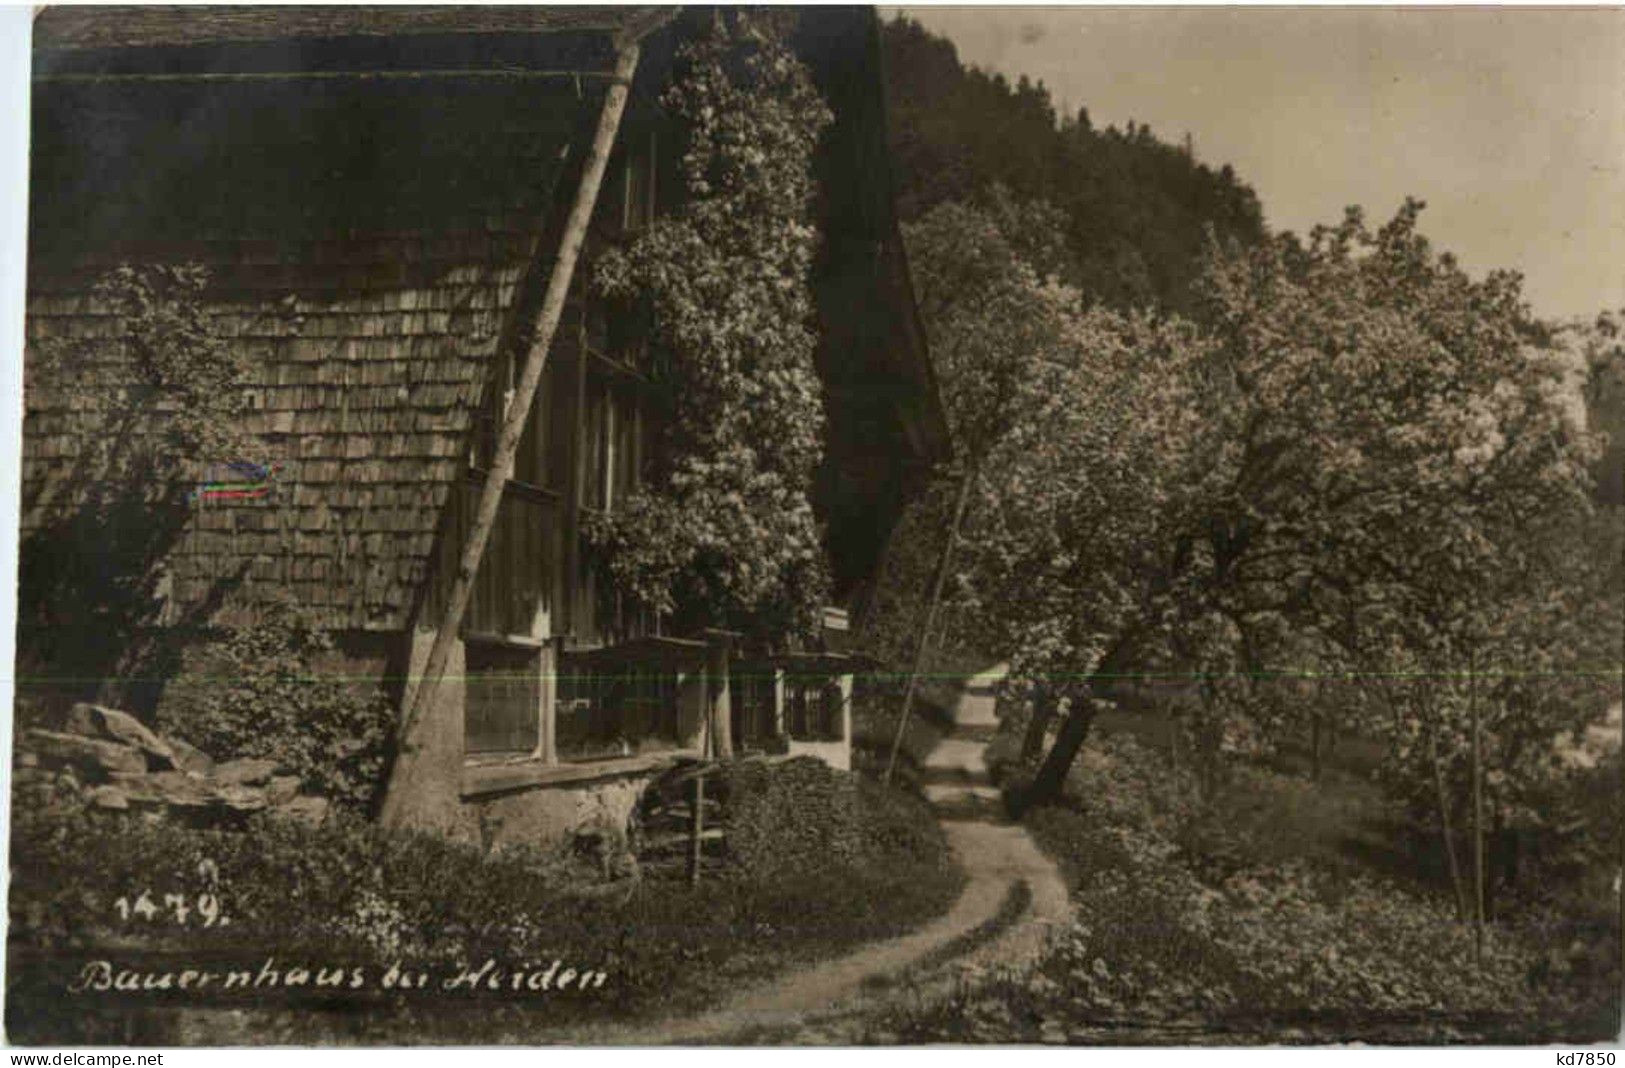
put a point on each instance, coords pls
(256, 693)
(802, 816)
(1251, 942)
(350, 893)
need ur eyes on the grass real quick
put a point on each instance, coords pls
(356, 897)
(1259, 915)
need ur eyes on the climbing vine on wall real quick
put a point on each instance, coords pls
(723, 532)
(136, 411)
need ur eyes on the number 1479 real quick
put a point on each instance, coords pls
(204, 909)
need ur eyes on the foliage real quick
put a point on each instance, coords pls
(170, 388)
(352, 893)
(1360, 453)
(155, 396)
(1168, 945)
(1130, 211)
(801, 816)
(1599, 356)
(260, 692)
(989, 317)
(1359, 462)
(724, 533)
(1410, 488)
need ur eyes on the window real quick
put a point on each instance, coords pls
(613, 433)
(638, 185)
(627, 201)
(488, 417)
(610, 713)
(542, 459)
(750, 693)
(813, 708)
(502, 703)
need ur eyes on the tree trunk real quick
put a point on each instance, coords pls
(1316, 731)
(718, 695)
(1032, 746)
(1314, 748)
(1500, 861)
(1209, 740)
(1052, 775)
(1478, 813)
(1074, 730)
(1176, 737)
(1444, 825)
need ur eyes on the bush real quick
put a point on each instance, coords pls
(1177, 922)
(344, 888)
(351, 893)
(257, 693)
(801, 816)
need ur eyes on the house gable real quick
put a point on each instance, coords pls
(370, 246)
(369, 234)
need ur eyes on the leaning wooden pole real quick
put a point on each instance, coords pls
(513, 425)
(930, 619)
(696, 831)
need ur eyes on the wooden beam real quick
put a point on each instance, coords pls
(483, 74)
(719, 698)
(929, 621)
(513, 426)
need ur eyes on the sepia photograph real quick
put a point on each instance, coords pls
(844, 526)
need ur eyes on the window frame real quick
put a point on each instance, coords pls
(537, 651)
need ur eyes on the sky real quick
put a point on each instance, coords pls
(1509, 123)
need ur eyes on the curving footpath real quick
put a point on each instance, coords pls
(825, 1002)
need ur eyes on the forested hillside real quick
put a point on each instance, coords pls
(1134, 210)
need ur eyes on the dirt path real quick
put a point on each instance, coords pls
(998, 857)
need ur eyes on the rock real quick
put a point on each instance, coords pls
(108, 797)
(282, 789)
(306, 809)
(95, 721)
(181, 793)
(190, 758)
(241, 798)
(247, 771)
(26, 760)
(89, 754)
(175, 788)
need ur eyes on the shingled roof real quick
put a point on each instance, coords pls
(145, 26)
(368, 246)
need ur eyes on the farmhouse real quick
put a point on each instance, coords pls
(380, 197)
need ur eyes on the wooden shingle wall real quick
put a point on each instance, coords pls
(362, 391)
